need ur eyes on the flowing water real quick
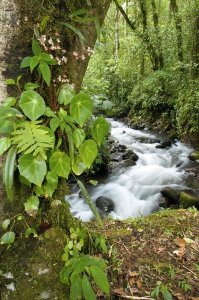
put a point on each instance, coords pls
(135, 190)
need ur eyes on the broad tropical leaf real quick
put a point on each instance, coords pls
(8, 102)
(32, 168)
(78, 137)
(51, 184)
(88, 151)
(100, 129)
(7, 117)
(5, 144)
(32, 104)
(78, 166)
(81, 108)
(66, 94)
(60, 164)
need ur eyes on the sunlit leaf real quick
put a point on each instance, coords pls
(32, 205)
(32, 104)
(88, 151)
(60, 164)
(8, 238)
(81, 108)
(100, 129)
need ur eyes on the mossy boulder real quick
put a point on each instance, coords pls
(30, 268)
(194, 156)
(188, 199)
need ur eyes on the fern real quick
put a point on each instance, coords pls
(31, 137)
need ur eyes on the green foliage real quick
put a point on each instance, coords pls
(9, 172)
(32, 105)
(184, 286)
(162, 290)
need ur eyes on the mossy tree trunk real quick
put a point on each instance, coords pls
(17, 21)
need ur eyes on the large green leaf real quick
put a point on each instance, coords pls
(32, 206)
(7, 118)
(5, 144)
(78, 137)
(76, 288)
(88, 151)
(45, 71)
(8, 238)
(36, 47)
(100, 278)
(87, 289)
(100, 129)
(34, 62)
(66, 94)
(32, 104)
(54, 123)
(78, 166)
(25, 62)
(60, 164)
(32, 168)
(81, 108)
(9, 172)
(51, 184)
(10, 101)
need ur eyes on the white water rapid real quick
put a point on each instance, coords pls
(135, 190)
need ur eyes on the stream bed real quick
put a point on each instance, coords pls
(135, 190)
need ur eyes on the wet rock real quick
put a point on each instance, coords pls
(171, 195)
(189, 199)
(116, 157)
(129, 154)
(164, 144)
(106, 205)
(127, 163)
(194, 156)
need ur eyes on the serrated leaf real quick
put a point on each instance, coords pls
(81, 108)
(26, 62)
(100, 278)
(34, 62)
(10, 101)
(88, 151)
(5, 224)
(10, 81)
(36, 47)
(45, 71)
(66, 94)
(32, 206)
(78, 137)
(60, 164)
(9, 172)
(78, 166)
(31, 86)
(5, 144)
(30, 231)
(32, 168)
(100, 129)
(32, 104)
(87, 289)
(8, 238)
(54, 123)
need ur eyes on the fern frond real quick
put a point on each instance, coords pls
(31, 137)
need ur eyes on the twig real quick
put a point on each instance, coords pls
(195, 275)
(122, 244)
(134, 297)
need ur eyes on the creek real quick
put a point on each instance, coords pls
(135, 190)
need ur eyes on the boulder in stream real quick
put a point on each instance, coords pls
(172, 195)
(129, 154)
(104, 204)
(164, 144)
(194, 156)
(189, 199)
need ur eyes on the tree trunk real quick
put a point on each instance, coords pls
(195, 45)
(17, 20)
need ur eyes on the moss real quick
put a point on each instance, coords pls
(187, 200)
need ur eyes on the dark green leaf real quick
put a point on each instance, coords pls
(45, 71)
(26, 62)
(100, 278)
(36, 47)
(7, 118)
(5, 224)
(76, 289)
(87, 289)
(34, 62)
(30, 231)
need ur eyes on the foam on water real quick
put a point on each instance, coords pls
(136, 190)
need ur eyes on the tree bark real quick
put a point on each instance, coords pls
(195, 45)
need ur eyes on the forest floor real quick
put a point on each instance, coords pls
(158, 254)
